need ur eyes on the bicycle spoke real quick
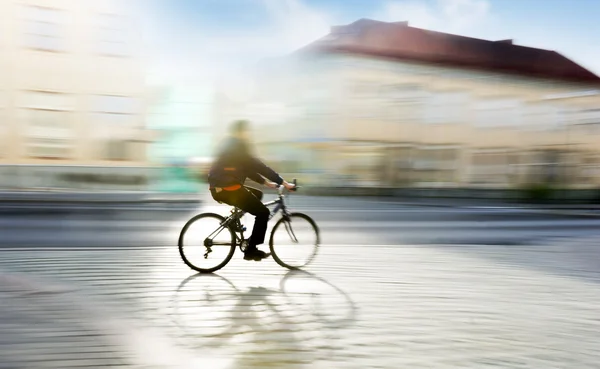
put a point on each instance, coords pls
(206, 244)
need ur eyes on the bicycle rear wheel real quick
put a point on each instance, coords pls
(205, 245)
(294, 241)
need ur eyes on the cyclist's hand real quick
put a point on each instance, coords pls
(288, 186)
(271, 184)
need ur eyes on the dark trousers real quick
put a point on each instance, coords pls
(249, 200)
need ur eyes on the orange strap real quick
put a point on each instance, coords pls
(229, 188)
(232, 188)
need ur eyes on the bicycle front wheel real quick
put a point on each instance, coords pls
(205, 245)
(294, 241)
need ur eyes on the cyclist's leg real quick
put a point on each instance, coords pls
(249, 200)
(235, 198)
(256, 192)
(218, 196)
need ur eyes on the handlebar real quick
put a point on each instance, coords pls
(280, 188)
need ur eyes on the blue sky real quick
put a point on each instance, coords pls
(212, 37)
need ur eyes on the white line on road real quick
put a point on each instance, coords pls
(175, 256)
(400, 224)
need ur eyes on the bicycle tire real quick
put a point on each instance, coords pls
(182, 246)
(272, 245)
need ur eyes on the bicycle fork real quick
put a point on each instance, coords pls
(290, 231)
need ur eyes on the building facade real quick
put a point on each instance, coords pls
(181, 118)
(72, 92)
(389, 105)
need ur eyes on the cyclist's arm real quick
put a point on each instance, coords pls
(257, 178)
(257, 167)
(271, 175)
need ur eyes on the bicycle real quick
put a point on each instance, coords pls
(232, 231)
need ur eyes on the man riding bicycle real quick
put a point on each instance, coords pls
(235, 163)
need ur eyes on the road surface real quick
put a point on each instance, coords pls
(393, 286)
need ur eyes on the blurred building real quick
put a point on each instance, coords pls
(72, 94)
(181, 118)
(386, 104)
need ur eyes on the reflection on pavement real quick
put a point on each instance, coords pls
(292, 326)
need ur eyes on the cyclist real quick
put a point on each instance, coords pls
(235, 163)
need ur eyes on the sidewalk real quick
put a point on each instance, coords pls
(97, 197)
(475, 203)
(455, 202)
(391, 307)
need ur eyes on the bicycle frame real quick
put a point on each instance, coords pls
(233, 221)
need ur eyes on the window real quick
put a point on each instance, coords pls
(545, 117)
(46, 100)
(587, 120)
(490, 167)
(433, 158)
(46, 119)
(365, 101)
(111, 119)
(115, 104)
(364, 90)
(2, 124)
(534, 116)
(2, 106)
(445, 107)
(43, 28)
(404, 102)
(48, 148)
(121, 150)
(557, 118)
(46, 114)
(496, 113)
(112, 35)
(116, 150)
(406, 94)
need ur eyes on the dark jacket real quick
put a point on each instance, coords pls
(235, 163)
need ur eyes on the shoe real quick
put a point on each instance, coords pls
(252, 253)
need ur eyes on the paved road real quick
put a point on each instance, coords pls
(372, 299)
(342, 221)
(390, 307)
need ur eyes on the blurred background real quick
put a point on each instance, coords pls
(136, 95)
(448, 150)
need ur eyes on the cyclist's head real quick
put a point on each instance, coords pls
(240, 129)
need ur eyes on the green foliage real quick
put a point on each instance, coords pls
(538, 192)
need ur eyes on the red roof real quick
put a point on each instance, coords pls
(400, 41)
